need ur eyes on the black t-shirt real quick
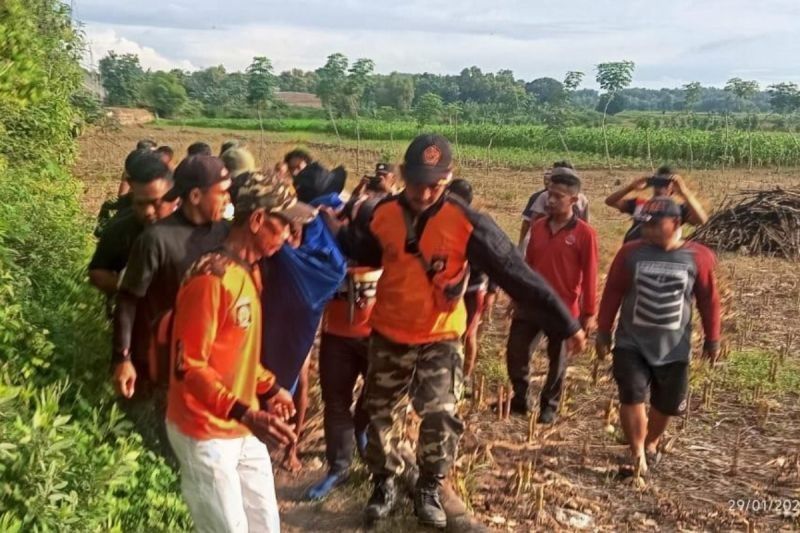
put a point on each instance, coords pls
(157, 262)
(110, 210)
(116, 242)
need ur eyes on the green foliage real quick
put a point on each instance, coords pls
(546, 90)
(743, 89)
(429, 109)
(68, 460)
(784, 97)
(625, 143)
(261, 83)
(691, 93)
(747, 370)
(610, 104)
(88, 105)
(297, 80)
(615, 76)
(331, 79)
(395, 90)
(122, 78)
(164, 94)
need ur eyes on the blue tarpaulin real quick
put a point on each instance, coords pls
(298, 284)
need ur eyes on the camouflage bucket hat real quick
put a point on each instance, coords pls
(275, 196)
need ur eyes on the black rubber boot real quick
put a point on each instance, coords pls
(383, 499)
(428, 504)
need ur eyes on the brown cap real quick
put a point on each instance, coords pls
(275, 196)
(196, 172)
(428, 159)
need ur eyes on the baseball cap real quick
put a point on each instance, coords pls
(428, 159)
(384, 168)
(196, 172)
(238, 161)
(657, 208)
(275, 195)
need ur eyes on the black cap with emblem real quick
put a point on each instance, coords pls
(428, 160)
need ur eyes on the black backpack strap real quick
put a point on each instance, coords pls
(412, 242)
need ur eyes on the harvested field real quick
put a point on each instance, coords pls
(740, 441)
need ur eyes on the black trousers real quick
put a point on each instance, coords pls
(341, 361)
(523, 336)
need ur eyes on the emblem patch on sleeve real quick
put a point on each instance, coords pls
(243, 313)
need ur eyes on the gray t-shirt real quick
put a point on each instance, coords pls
(656, 288)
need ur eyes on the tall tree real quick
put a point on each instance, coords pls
(744, 91)
(164, 93)
(429, 109)
(557, 112)
(122, 77)
(691, 95)
(612, 78)
(297, 80)
(331, 79)
(784, 98)
(261, 83)
(573, 80)
(359, 78)
(546, 90)
(395, 90)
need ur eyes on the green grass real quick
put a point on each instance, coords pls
(465, 154)
(749, 369)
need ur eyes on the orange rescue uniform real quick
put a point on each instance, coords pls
(216, 347)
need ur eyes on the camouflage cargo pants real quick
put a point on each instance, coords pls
(431, 376)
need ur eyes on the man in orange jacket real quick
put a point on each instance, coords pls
(423, 240)
(222, 402)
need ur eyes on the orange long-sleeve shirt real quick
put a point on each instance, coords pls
(216, 345)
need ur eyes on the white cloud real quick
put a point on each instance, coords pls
(101, 40)
(684, 40)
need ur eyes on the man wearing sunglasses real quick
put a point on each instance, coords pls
(664, 183)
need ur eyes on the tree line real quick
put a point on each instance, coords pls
(354, 89)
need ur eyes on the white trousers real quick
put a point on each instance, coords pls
(227, 483)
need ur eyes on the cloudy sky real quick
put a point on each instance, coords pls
(671, 42)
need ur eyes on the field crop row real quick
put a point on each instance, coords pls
(685, 147)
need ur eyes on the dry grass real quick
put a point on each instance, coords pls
(510, 484)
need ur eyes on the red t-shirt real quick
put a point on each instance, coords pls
(567, 259)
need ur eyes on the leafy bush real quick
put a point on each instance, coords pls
(68, 459)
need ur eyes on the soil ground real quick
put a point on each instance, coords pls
(740, 442)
